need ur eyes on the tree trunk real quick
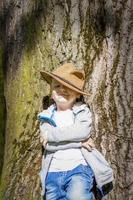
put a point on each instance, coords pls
(96, 36)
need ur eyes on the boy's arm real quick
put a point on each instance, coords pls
(52, 147)
(77, 132)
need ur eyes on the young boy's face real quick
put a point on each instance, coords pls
(64, 91)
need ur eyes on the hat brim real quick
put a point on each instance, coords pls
(47, 76)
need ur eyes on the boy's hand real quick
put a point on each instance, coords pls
(43, 141)
(44, 133)
(88, 144)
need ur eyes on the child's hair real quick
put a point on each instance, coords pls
(81, 99)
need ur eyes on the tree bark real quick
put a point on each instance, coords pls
(96, 36)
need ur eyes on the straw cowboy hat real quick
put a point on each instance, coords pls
(68, 75)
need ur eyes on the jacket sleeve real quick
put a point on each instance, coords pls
(76, 132)
(62, 146)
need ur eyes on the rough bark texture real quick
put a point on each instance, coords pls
(2, 102)
(41, 34)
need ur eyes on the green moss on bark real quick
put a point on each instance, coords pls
(24, 93)
(2, 110)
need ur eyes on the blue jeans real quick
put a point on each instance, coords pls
(75, 184)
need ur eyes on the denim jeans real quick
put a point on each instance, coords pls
(75, 184)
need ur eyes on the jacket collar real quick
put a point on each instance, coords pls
(79, 106)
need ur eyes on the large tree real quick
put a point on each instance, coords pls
(42, 34)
